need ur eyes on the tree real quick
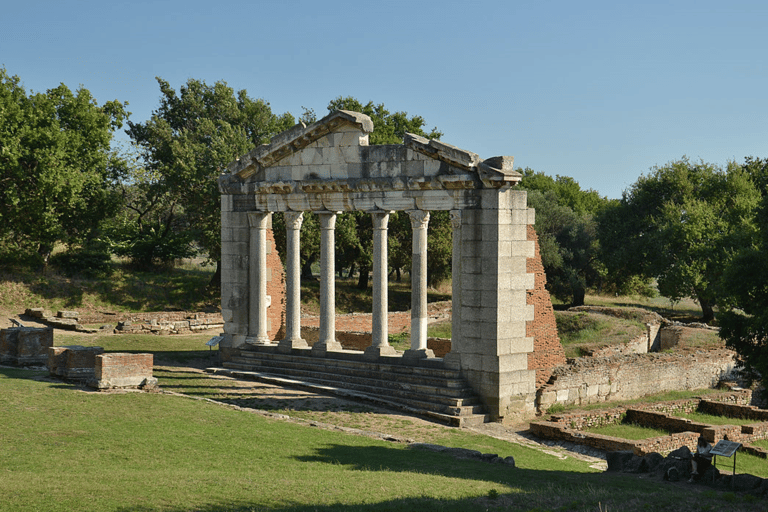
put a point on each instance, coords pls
(744, 306)
(56, 166)
(679, 225)
(192, 136)
(567, 232)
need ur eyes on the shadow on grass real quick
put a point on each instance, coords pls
(500, 487)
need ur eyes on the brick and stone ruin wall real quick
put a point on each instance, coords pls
(25, 346)
(135, 323)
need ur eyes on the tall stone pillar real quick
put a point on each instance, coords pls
(379, 339)
(257, 274)
(293, 337)
(327, 340)
(419, 222)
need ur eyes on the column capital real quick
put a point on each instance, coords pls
(293, 220)
(259, 220)
(419, 218)
(327, 219)
(380, 218)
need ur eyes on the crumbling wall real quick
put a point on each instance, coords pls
(547, 350)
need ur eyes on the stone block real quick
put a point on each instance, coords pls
(122, 370)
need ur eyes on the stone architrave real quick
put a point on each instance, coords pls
(327, 340)
(379, 340)
(293, 221)
(258, 332)
(419, 222)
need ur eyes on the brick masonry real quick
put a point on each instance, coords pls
(25, 345)
(123, 370)
(73, 362)
(571, 427)
(547, 350)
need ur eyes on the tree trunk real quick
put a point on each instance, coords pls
(362, 282)
(707, 308)
(398, 274)
(578, 296)
(215, 282)
(306, 269)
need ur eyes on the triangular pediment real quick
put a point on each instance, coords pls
(333, 154)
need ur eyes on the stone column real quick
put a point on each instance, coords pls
(327, 340)
(419, 222)
(257, 278)
(453, 358)
(293, 337)
(380, 336)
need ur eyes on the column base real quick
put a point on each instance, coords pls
(256, 340)
(319, 349)
(421, 353)
(376, 352)
(287, 345)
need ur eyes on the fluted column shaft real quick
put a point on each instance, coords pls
(380, 335)
(293, 221)
(419, 222)
(258, 332)
(327, 340)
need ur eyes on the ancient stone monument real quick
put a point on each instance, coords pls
(329, 168)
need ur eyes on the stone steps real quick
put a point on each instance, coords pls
(424, 388)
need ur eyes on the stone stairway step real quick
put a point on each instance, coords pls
(459, 417)
(340, 366)
(384, 380)
(428, 395)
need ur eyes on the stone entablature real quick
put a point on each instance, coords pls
(328, 168)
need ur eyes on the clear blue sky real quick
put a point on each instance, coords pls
(600, 91)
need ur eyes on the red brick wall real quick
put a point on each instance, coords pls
(547, 350)
(276, 290)
(116, 366)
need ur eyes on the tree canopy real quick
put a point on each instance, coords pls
(680, 225)
(56, 166)
(567, 232)
(190, 139)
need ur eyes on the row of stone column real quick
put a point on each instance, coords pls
(258, 331)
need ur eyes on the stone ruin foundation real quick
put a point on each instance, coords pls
(100, 370)
(25, 346)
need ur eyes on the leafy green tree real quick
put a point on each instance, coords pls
(744, 306)
(56, 166)
(680, 224)
(191, 138)
(567, 232)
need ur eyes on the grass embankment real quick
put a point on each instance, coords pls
(182, 288)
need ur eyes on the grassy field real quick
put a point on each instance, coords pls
(67, 449)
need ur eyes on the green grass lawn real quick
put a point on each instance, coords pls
(628, 431)
(711, 419)
(67, 449)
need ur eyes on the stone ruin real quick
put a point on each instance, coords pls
(102, 371)
(25, 346)
(504, 339)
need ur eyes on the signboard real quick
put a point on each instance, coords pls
(216, 339)
(725, 448)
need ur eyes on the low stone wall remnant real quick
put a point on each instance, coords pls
(592, 380)
(25, 346)
(73, 362)
(123, 370)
